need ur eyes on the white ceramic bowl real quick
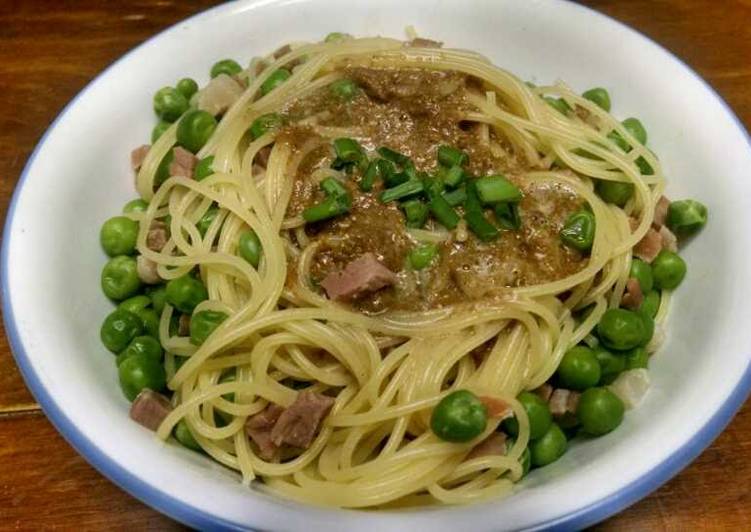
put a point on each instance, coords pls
(79, 176)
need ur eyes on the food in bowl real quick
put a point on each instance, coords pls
(375, 273)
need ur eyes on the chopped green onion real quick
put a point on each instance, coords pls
(496, 188)
(455, 197)
(333, 188)
(416, 213)
(422, 256)
(453, 176)
(449, 156)
(328, 208)
(348, 150)
(396, 179)
(394, 156)
(473, 213)
(408, 188)
(443, 212)
(369, 177)
(508, 217)
(385, 169)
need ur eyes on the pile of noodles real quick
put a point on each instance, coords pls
(386, 372)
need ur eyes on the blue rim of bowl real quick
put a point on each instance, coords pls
(185, 513)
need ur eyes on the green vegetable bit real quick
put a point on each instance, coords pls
(642, 272)
(449, 156)
(622, 329)
(159, 130)
(579, 369)
(416, 213)
(344, 89)
(651, 304)
(549, 448)
(136, 205)
(496, 188)
(229, 67)
(188, 87)
(559, 104)
(185, 292)
(204, 168)
(615, 192)
(119, 329)
(250, 247)
(138, 372)
(120, 278)
(668, 270)
(169, 104)
(404, 190)
(508, 216)
(459, 417)
(265, 123)
(369, 177)
(686, 217)
(611, 365)
(118, 236)
(141, 345)
(185, 437)
(203, 323)
(195, 129)
(599, 411)
(538, 413)
(579, 231)
(636, 358)
(599, 97)
(421, 256)
(276, 78)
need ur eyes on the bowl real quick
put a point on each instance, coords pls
(79, 175)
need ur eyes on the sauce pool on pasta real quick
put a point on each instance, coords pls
(372, 273)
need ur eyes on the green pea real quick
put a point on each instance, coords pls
(203, 323)
(549, 448)
(120, 278)
(611, 365)
(686, 217)
(459, 417)
(526, 460)
(250, 247)
(159, 130)
(642, 272)
(344, 89)
(158, 297)
(138, 372)
(119, 328)
(225, 66)
(276, 78)
(636, 358)
(162, 171)
(169, 104)
(538, 414)
(615, 192)
(336, 36)
(195, 129)
(204, 168)
(651, 304)
(622, 329)
(579, 369)
(185, 437)
(206, 220)
(599, 411)
(265, 123)
(136, 205)
(231, 376)
(668, 270)
(579, 230)
(150, 321)
(559, 104)
(599, 97)
(135, 303)
(635, 127)
(644, 167)
(118, 236)
(421, 256)
(188, 87)
(141, 345)
(185, 292)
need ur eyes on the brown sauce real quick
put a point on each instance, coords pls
(414, 112)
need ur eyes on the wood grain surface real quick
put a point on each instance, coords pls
(49, 49)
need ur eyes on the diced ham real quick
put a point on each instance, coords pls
(669, 240)
(279, 52)
(258, 428)
(563, 402)
(298, 424)
(544, 392)
(183, 163)
(649, 246)
(138, 155)
(493, 445)
(259, 67)
(157, 236)
(364, 274)
(183, 325)
(262, 157)
(497, 408)
(147, 271)
(661, 211)
(150, 408)
(419, 42)
(633, 297)
(219, 94)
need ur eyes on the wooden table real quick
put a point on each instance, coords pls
(50, 49)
